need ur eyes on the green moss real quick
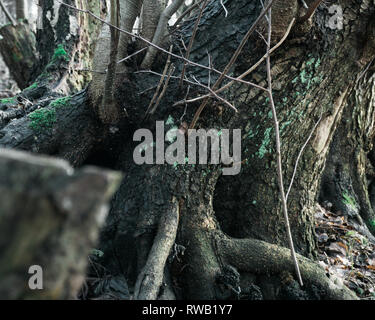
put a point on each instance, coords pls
(303, 76)
(8, 100)
(16, 57)
(170, 120)
(263, 149)
(250, 134)
(42, 119)
(310, 61)
(284, 125)
(61, 102)
(60, 53)
(317, 64)
(348, 200)
(33, 86)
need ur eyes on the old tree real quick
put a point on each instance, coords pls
(187, 231)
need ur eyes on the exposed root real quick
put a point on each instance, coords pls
(151, 277)
(261, 257)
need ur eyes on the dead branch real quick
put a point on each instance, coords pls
(278, 150)
(7, 13)
(166, 67)
(231, 62)
(247, 72)
(299, 157)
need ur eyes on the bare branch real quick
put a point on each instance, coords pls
(186, 12)
(247, 72)
(136, 36)
(171, 70)
(8, 15)
(231, 62)
(278, 151)
(166, 67)
(299, 156)
(160, 31)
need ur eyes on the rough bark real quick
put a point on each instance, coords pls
(18, 50)
(46, 207)
(65, 42)
(315, 74)
(21, 9)
(313, 79)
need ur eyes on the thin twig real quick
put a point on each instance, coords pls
(190, 82)
(171, 70)
(299, 156)
(231, 62)
(187, 93)
(187, 11)
(278, 151)
(218, 97)
(132, 55)
(225, 9)
(180, 57)
(166, 67)
(192, 38)
(247, 72)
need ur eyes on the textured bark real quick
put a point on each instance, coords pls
(21, 9)
(65, 42)
(315, 77)
(46, 207)
(63, 128)
(18, 50)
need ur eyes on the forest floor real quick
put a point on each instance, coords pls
(345, 252)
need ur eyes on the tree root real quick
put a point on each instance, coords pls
(151, 277)
(261, 257)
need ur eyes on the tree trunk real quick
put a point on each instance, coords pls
(21, 9)
(18, 50)
(231, 233)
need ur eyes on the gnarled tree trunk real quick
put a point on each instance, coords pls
(231, 231)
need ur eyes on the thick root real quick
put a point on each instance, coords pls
(264, 258)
